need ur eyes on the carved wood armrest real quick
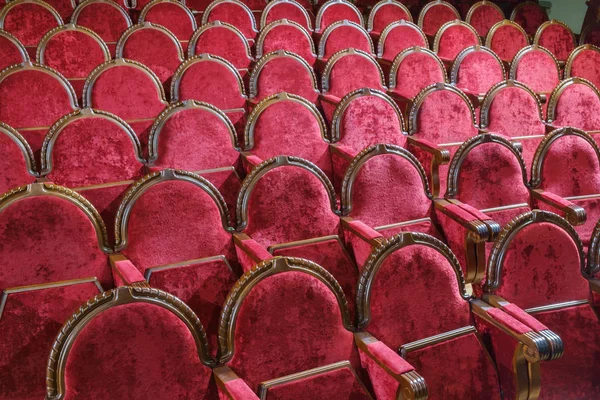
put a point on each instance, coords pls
(249, 251)
(362, 231)
(575, 214)
(125, 273)
(478, 224)
(231, 385)
(441, 156)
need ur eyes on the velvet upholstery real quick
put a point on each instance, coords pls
(416, 68)
(105, 17)
(399, 37)
(29, 21)
(483, 17)
(585, 64)
(232, 12)
(557, 38)
(16, 160)
(432, 18)
(174, 16)
(336, 10)
(290, 10)
(506, 40)
(283, 72)
(352, 71)
(530, 16)
(11, 50)
(577, 105)
(537, 69)
(286, 36)
(385, 15)
(222, 40)
(342, 35)
(478, 71)
(453, 39)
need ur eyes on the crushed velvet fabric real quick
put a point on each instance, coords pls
(290, 38)
(338, 12)
(12, 164)
(64, 8)
(437, 16)
(578, 106)
(289, 11)
(417, 71)
(343, 37)
(29, 226)
(172, 17)
(225, 43)
(29, 22)
(29, 324)
(454, 40)
(387, 14)
(285, 74)
(277, 335)
(507, 41)
(478, 72)
(104, 19)
(353, 72)
(136, 343)
(530, 17)
(9, 53)
(401, 38)
(538, 70)
(384, 385)
(484, 17)
(559, 40)
(587, 65)
(233, 13)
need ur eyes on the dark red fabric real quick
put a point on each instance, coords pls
(29, 22)
(290, 38)
(286, 10)
(578, 106)
(64, 8)
(9, 53)
(390, 358)
(239, 390)
(478, 72)
(384, 384)
(399, 38)
(558, 39)
(530, 16)
(341, 37)
(436, 16)
(107, 19)
(12, 163)
(484, 17)
(337, 11)
(522, 316)
(387, 14)
(506, 41)
(538, 70)
(234, 13)
(352, 72)
(418, 70)
(455, 39)
(505, 319)
(173, 16)
(285, 74)
(128, 272)
(226, 43)
(587, 65)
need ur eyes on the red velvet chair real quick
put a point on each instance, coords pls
(346, 71)
(290, 10)
(541, 244)
(435, 14)
(530, 15)
(483, 15)
(129, 90)
(512, 109)
(128, 335)
(32, 112)
(397, 37)
(282, 71)
(74, 51)
(590, 34)
(505, 39)
(224, 40)
(476, 70)
(17, 164)
(383, 14)
(341, 35)
(336, 10)
(452, 38)
(286, 35)
(583, 62)
(173, 233)
(575, 102)
(558, 38)
(174, 16)
(233, 12)
(105, 17)
(213, 80)
(536, 67)
(15, 12)
(11, 50)
(314, 355)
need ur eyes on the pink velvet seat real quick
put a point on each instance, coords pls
(541, 244)
(397, 37)
(341, 35)
(506, 38)
(173, 227)
(17, 163)
(536, 67)
(105, 17)
(590, 34)
(513, 110)
(575, 102)
(483, 15)
(223, 40)
(383, 14)
(336, 10)
(233, 12)
(74, 51)
(28, 21)
(131, 335)
(174, 16)
(530, 15)
(129, 90)
(557, 37)
(11, 50)
(286, 35)
(476, 70)
(52, 98)
(282, 71)
(452, 38)
(584, 62)
(290, 10)
(435, 14)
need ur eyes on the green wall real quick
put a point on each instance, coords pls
(570, 12)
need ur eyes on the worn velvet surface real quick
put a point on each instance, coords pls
(232, 13)
(277, 335)
(338, 12)
(173, 17)
(290, 38)
(225, 43)
(484, 17)
(478, 72)
(29, 22)
(578, 107)
(435, 17)
(29, 324)
(387, 14)
(507, 41)
(143, 350)
(417, 71)
(107, 21)
(454, 40)
(289, 11)
(353, 72)
(9, 53)
(228, 182)
(12, 164)
(285, 74)
(530, 17)
(587, 65)
(401, 38)
(559, 40)
(538, 70)
(29, 226)
(292, 129)
(343, 37)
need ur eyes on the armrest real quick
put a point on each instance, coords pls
(376, 356)
(442, 156)
(573, 213)
(341, 158)
(249, 251)
(125, 273)
(249, 161)
(329, 98)
(468, 217)
(232, 386)
(361, 238)
(429, 154)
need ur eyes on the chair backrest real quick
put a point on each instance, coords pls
(575, 102)
(399, 36)
(283, 71)
(322, 335)
(11, 50)
(506, 38)
(42, 17)
(17, 162)
(344, 34)
(290, 10)
(584, 62)
(337, 10)
(530, 15)
(476, 69)
(233, 12)
(286, 35)
(224, 40)
(351, 69)
(590, 34)
(435, 14)
(453, 37)
(105, 17)
(536, 67)
(384, 13)
(62, 229)
(483, 15)
(413, 70)
(173, 15)
(167, 332)
(557, 37)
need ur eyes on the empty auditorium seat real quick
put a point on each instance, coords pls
(584, 62)
(290, 10)
(314, 356)
(383, 14)
(341, 35)
(557, 37)
(336, 10)
(11, 50)
(129, 90)
(452, 38)
(282, 71)
(174, 16)
(224, 40)
(536, 67)
(530, 15)
(435, 14)
(506, 38)
(130, 335)
(17, 164)
(475, 70)
(286, 35)
(233, 12)
(590, 34)
(105, 17)
(397, 37)
(41, 16)
(74, 51)
(32, 112)
(541, 244)
(483, 15)
(575, 102)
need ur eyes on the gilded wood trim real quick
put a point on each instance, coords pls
(466, 52)
(338, 24)
(518, 8)
(260, 41)
(576, 52)
(343, 53)
(10, 4)
(557, 306)
(390, 27)
(593, 261)
(113, 4)
(483, 3)
(432, 340)
(486, 104)
(540, 31)
(432, 4)
(274, 3)
(401, 57)
(558, 91)
(253, 83)
(13, 39)
(216, 24)
(521, 53)
(180, 4)
(328, 4)
(252, 278)
(144, 26)
(66, 28)
(500, 24)
(22, 144)
(216, 3)
(449, 24)
(383, 3)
